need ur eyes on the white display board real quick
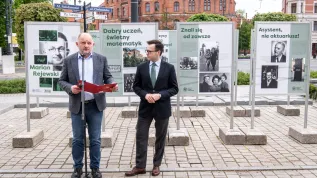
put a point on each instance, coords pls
(46, 46)
(205, 54)
(282, 50)
(124, 45)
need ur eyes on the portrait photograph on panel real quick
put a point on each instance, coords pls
(278, 51)
(188, 63)
(56, 51)
(132, 57)
(298, 69)
(128, 80)
(269, 77)
(214, 82)
(209, 56)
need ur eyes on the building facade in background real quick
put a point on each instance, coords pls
(167, 12)
(305, 11)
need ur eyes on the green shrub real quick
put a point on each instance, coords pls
(312, 91)
(313, 74)
(243, 78)
(12, 86)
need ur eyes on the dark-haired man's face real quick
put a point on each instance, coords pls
(151, 54)
(56, 51)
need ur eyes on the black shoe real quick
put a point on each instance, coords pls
(77, 173)
(96, 173)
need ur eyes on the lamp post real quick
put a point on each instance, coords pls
(8, 35)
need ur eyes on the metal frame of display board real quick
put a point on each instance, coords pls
(212, 94)
(307, 69)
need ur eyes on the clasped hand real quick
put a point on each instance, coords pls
(151, 98)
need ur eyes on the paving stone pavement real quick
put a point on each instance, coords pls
(197, 174)
(206, 152)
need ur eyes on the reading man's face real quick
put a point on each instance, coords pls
(56, 51)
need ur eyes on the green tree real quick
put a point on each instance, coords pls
(35, 12)
(245, 36)
(273, 16)
(2, 24)
(204, 17)
(16, 5)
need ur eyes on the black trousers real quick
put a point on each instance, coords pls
(142, 137)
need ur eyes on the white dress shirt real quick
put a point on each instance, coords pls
(88, 73)
(157, 67)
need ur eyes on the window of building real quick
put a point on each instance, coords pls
(206, 5)
(147, 7)
(191, 5)
(176, 6)
(123, 12)
(118, 12)
(222, 5)
(315, 26)
(315, 8)
(147, 21)
(293, 7)
(157, 6)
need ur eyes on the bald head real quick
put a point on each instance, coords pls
(84, 35)
(85, 44)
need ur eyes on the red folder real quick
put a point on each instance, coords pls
(93, 88)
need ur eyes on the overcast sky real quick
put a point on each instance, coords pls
(250, 6)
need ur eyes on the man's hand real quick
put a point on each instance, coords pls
(75, 89)
(115, 88)
(156, 96)
(149, 98)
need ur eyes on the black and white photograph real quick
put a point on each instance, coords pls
(56, 51)
(188, 63)
(214, 82)
(209, 56)
(128, 80)
(298, 69)
(40, 59)
(164, 58)
(47, 35)
(269, 77)
(278, 51)
(132, 57)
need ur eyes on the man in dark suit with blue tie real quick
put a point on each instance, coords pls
(155, 83)
(95, 71)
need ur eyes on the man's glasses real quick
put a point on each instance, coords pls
(61, 48)
(149, 51)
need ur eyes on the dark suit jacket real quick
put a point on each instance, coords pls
(273, 84)
(166, 85)
(70, 77)
(283, 58)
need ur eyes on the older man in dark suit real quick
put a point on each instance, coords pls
(155, 83)
(96, 71)
(278, 53)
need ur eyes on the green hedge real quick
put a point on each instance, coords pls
(243, 78)
(12, 86)
(313, 74)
